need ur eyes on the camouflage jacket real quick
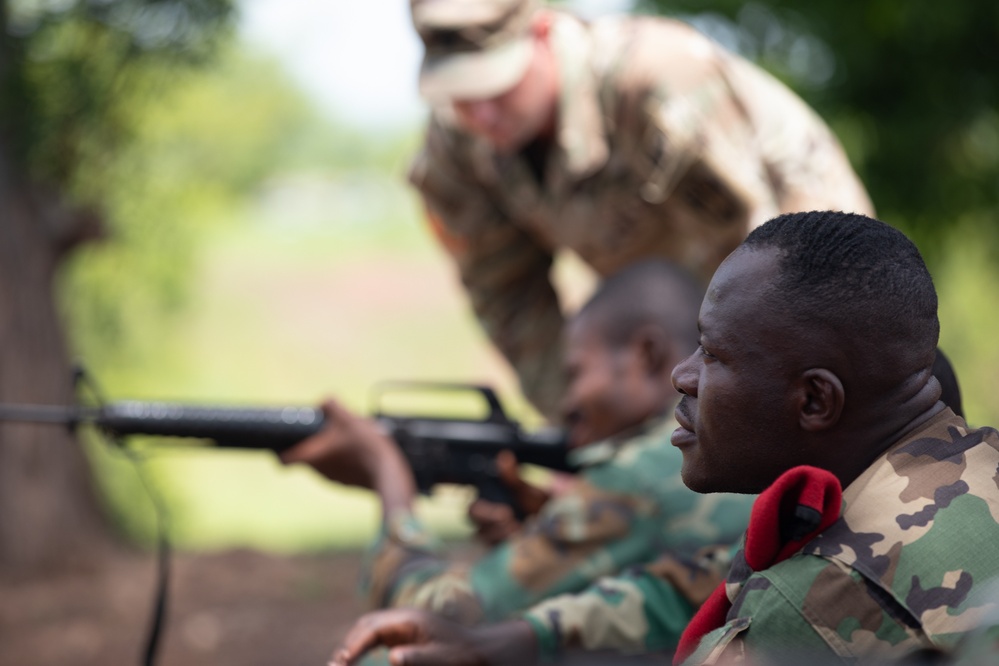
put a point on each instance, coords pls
(895, 574)
(627, 505)
(642, 611)
(666, 146)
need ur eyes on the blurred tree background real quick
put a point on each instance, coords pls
(249, 249)
(910, 88)
(69, 74)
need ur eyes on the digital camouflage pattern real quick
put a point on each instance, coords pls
(895, 574)
(666, 146)
(626, 506)
(641, 611)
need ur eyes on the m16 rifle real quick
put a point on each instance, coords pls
(438, 449)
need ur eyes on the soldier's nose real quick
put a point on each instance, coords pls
(684, 377)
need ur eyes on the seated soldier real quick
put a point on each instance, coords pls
(627, 504)
(812, 385)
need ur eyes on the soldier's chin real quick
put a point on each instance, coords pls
(505, 147)
(508, 144)
(693, 478)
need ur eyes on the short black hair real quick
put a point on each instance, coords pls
(652, 291)
(858, 277)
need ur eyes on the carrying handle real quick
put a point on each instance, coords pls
(496, 413)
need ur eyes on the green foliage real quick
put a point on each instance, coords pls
(198, 148)
(909, 86)
(71, 69)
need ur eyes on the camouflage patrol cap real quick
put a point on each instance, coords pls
(475, 49)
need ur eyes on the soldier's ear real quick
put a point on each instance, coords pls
(654, 348)
(819, 397)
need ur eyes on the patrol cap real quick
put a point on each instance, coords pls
(475, 49)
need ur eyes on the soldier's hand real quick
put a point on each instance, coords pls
(495, 522)
(354, 450)
(418, 638)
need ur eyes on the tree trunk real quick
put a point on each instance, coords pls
(49, 514)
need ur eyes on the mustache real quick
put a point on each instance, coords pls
(683, 409)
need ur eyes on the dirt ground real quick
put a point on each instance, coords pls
(237, 607)
(232, 608)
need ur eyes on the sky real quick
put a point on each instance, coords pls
(358, 59)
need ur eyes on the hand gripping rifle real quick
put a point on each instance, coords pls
(439, 450)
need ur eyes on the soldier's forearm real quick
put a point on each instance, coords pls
(510, 643)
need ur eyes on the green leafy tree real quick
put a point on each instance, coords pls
(68, 74)
(910, 87)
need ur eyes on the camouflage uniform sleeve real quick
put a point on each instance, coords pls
(643, 610)
(403, 555)
(503, 269)
(756, 144)
(697, 133)
(588, 532)
(805, 163)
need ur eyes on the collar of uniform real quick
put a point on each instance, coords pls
(857, 495)
(582, 137)
(598, 453)
(896, 500)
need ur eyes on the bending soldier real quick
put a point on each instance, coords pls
(622, 139)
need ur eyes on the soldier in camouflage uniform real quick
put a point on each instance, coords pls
(817, 348)
(626, 505)
(620, 139)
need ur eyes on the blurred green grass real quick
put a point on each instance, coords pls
(967, 281)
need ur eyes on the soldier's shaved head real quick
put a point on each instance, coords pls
(622, 346)
(860, 286)
(652, 292)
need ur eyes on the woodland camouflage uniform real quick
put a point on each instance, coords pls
(894, 574)
(666, 146)
(627, 505)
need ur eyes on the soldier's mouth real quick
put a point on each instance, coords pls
(682, 437)
(682, 416)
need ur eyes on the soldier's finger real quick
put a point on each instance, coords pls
(309, 449)
(327, 439)
(494, 522)
(529, 498)
(506, 466)
(483, 512)
(331, 408)
(435, 654)
(386, 628)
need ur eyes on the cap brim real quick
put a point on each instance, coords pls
(475, 75)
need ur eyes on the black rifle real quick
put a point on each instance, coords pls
(439, 450)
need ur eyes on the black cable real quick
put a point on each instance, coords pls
(159, 612)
